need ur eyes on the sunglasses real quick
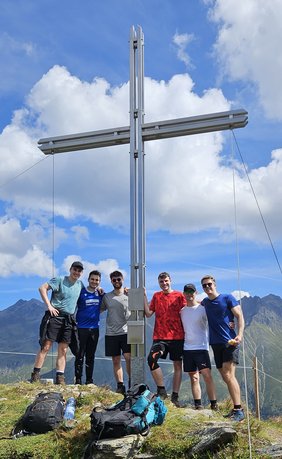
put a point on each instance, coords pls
(116, 279)
(209, 284)
(190, 291)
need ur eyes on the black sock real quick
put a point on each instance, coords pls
(120, 384)
(174, 394)
(213, 402)
(198, 402)
(36, 370)
(237, 407)
(59, 373)
(161, 387)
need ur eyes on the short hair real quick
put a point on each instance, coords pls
(115, 274)
(207, 276)
(95, 273)
(163, 275)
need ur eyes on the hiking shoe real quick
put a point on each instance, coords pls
(78, 381)
(237, 415)
(174, 399)
(215, 407)
(89, 381)
(35, 377)
(121, 389)
(198, 407)
(162, 393)
(60, 379)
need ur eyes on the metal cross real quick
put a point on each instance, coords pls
(136, 134)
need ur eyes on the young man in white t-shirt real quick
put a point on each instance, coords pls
(196, 359)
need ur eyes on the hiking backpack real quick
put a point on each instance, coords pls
(43, 414)
(135, 414)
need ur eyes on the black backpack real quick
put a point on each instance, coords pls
(45, 413)
(135, 414)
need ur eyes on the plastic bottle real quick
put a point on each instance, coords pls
(70, 409)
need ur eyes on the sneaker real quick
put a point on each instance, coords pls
(78, 381)
(174, 399)
(121, 389)
(162, 393)
(35, 377)
(237, 415)
(89, 381)
(60, 379)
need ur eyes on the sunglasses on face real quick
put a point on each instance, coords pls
(116, 279)
(190, 292)
(208, 284)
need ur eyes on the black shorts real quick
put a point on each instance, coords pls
(173, 347)
(59, 330)
(116, 344)
(196, 360)
(222, 354)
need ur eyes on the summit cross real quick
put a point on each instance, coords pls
(136, 134)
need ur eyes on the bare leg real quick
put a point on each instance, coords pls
(127, 358)
(195, 385)
(158, 376)
(40, 358)
(228, 375)
(62, 356)
(207, 375)
(118, 373)
(177, 375)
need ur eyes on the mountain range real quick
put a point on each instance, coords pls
(19, 325)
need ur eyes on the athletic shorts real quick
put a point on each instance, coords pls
(116, 344)
(196, 360)
(59, 330)
(173, 347)
(222, 354)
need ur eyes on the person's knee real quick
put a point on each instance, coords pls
(153, 358)
(46, 347)
(194, 377)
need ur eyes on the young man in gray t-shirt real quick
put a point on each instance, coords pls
(116, 304)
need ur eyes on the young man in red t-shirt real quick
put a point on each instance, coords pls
(168, 336)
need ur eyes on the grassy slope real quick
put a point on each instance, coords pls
(168, 441)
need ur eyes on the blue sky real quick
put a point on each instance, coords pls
(65, 69)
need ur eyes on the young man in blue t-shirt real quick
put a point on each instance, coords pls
(221, 310)
(88, 318)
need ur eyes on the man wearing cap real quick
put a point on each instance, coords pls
(57, 323)
(168, 334)
(196, 359)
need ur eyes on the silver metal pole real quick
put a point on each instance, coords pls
(133, 171)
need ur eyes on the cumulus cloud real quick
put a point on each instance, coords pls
(192, 172)
(247, 47)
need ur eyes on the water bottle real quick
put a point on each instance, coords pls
(69, 412)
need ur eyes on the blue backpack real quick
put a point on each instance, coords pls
(135, 414)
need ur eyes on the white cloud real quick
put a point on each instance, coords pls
(247, 47)
(181, 41)
(189, 182)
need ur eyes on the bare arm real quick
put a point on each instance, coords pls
(148, 312)
(43, 290)
(238, 313)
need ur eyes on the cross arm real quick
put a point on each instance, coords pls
(150, 131)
